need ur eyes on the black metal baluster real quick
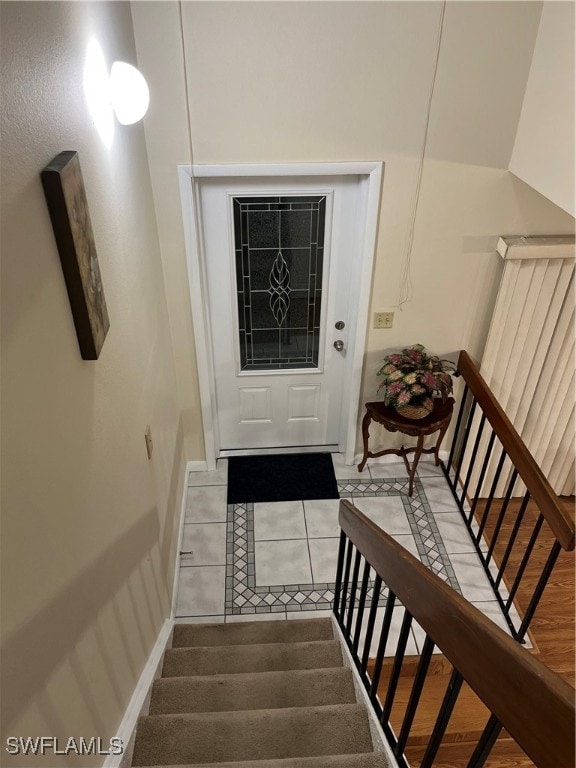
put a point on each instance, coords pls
(456, 437)
(524, 562)
(487, 741)
(501, 516)
(491, 496)
(353, 589)
(472, 459)
(345, 583)
(361, 604)
(542, 581)
(397, 665)
(371, 621)
(415, 693)
(442, 720)
(338, 585)
(482, 475)
(384, 632)
(467, 431)
(512, 539)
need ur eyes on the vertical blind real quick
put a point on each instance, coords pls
(529, 361)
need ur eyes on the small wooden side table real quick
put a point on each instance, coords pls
(393, 421)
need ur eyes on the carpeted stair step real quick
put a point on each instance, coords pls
(365, 760)
(339, 729)
(246, 633)
(264, 690)
(269, 657)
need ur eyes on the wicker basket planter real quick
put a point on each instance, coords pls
(413, 411)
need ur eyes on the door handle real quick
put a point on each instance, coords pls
(339, 345)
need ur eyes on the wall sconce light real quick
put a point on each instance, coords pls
(124, 92)
(129, 93)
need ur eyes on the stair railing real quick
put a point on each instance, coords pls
(534, 705)
(488, 457)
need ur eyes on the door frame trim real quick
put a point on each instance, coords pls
(191, 214)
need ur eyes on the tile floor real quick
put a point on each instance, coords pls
(278, 560)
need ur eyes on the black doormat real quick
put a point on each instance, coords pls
(281, 477)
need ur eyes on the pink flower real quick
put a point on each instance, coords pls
(403, 398)
(446, 379)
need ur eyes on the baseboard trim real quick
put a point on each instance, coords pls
(127, 727)
(196, 466)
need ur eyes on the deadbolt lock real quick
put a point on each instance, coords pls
(340, 325)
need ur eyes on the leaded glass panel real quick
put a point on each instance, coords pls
(279, 249)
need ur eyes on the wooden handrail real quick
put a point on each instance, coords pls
(533, 704)
(531, 474)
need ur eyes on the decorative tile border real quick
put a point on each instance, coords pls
(244, 597)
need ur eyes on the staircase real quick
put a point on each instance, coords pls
(265, 694)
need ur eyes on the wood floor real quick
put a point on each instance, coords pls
(552, 633)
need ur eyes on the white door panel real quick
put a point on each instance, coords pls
(278, 378)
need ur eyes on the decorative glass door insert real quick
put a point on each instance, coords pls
(279, 252)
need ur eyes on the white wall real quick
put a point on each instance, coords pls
(167, 138)
(543, 153)
(89, 525)
(340, 81)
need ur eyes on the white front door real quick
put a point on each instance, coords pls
(284, 261)
(278, 263)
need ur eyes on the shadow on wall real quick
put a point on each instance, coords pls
(40, 646)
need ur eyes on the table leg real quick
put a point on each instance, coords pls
(417, 454)
(365, 435)
(439, 441)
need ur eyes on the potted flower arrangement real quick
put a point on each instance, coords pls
(413, 378)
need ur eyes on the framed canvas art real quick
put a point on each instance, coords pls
(68, 207)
